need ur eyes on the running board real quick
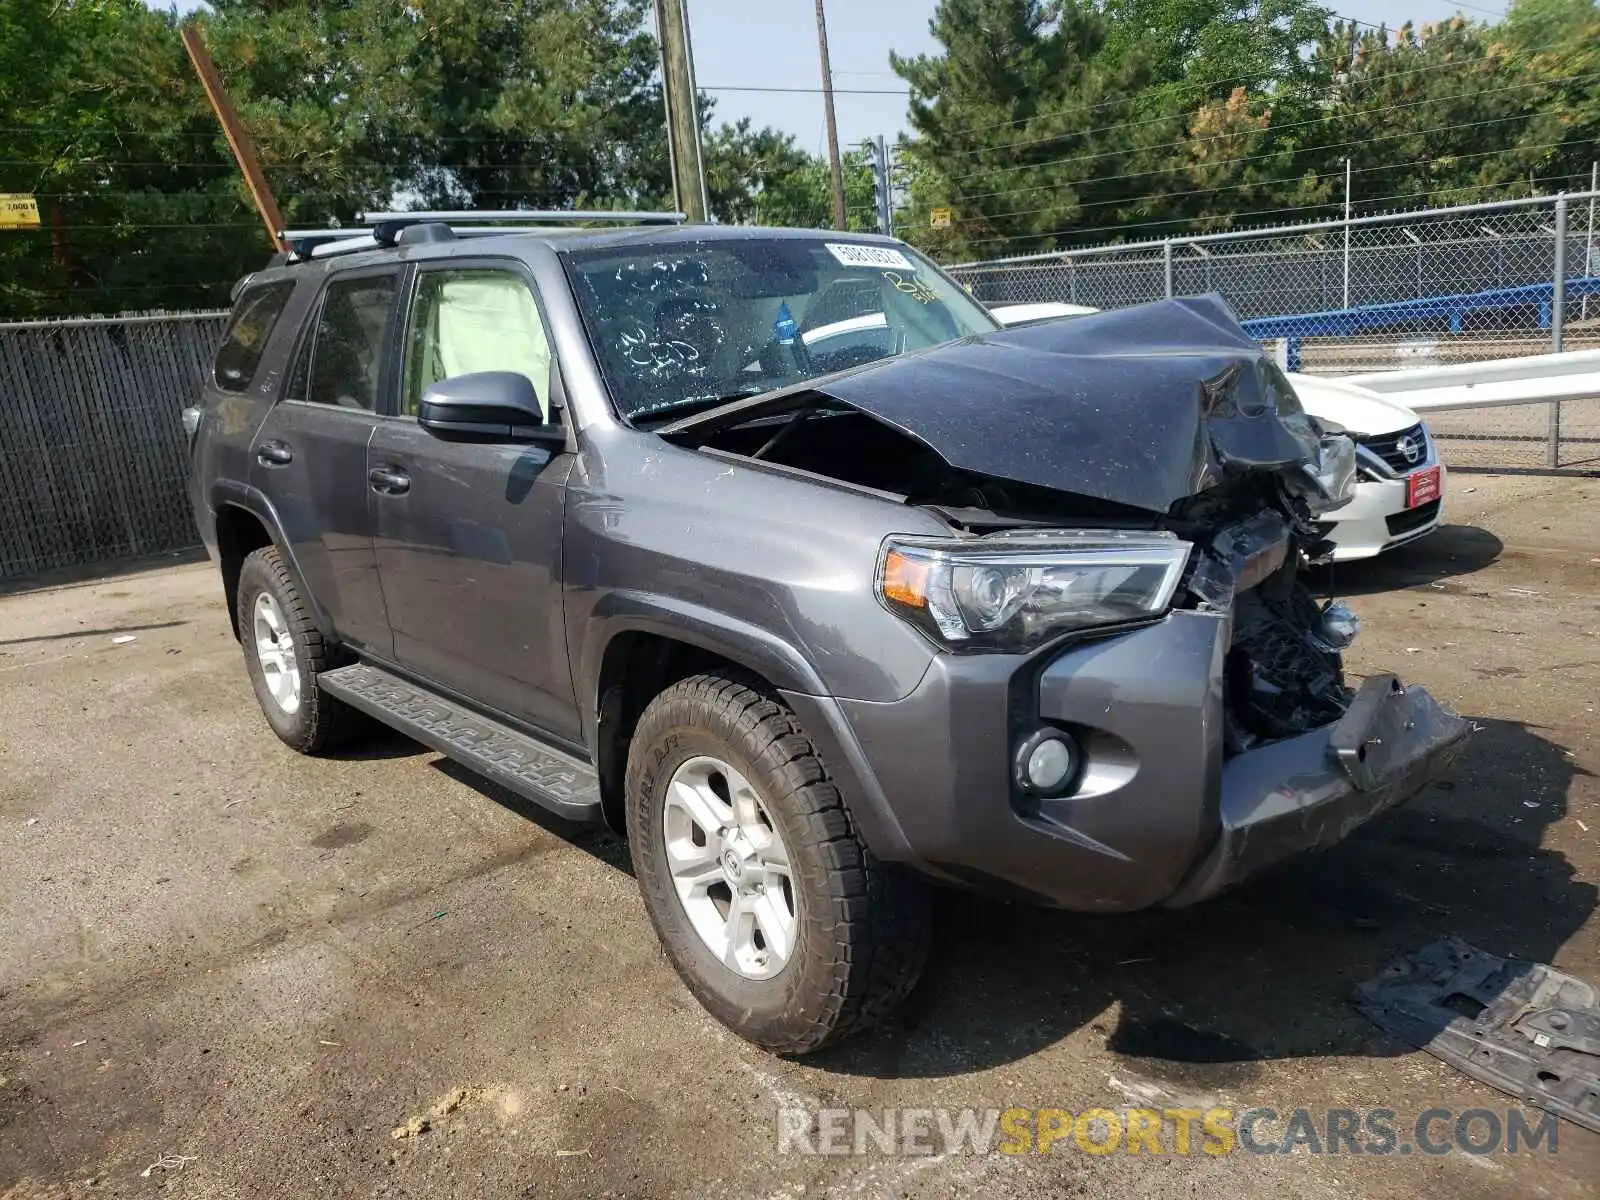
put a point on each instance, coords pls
(557, 781)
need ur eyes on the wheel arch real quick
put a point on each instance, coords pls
(636, 645)
(246, 522)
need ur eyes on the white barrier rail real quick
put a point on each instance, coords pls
(1537, 378)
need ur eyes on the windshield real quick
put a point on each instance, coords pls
(682, 325)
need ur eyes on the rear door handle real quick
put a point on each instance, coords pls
(274, 454)
(389, 481)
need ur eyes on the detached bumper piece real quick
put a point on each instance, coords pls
(1311, 791)
(1535, 1035)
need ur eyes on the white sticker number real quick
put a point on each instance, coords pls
(870, 256)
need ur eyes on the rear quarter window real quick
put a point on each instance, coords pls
(254, 318)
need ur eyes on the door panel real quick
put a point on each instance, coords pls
(320, 495)
(469, 550)
(468, 534)
(310, 455)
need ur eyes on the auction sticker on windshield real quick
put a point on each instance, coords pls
(870, 256)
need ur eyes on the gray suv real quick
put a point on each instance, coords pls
(772, 552)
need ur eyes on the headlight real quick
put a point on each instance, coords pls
(1332, 475)
(1013, 591)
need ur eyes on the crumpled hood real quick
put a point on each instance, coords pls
(1141, 406)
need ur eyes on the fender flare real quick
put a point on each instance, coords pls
(627, 611)
(759, 650)
(230, 493)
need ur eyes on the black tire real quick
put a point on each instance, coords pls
(320, 722)
(863, 925)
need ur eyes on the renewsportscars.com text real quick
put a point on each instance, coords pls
(1164, 1131)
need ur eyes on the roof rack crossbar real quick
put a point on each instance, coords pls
(567, 216)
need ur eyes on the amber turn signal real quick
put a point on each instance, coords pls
(905, 580)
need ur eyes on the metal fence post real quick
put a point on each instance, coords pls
(1558, 312)
(1166, 264)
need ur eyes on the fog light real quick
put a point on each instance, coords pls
(1046, 761)
(1339, 627)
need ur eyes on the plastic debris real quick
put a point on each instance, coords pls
(123, 639)
(169, 1162)
(1522, 1027)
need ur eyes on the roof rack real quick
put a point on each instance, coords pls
(543, 216)
(405, 228)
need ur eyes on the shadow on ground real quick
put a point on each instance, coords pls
(110, 631)
(602, 843)
(1263, 973)
(1451, 551)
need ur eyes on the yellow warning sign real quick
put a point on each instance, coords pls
(939, 218)
(18, 211)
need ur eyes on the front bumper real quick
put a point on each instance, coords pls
(1377, 518)
(1157, 816)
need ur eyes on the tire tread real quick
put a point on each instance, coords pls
(878, 919)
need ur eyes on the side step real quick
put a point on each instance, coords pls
(512, 759)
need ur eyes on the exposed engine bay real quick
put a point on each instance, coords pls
(1166, 417)
(1283, 674)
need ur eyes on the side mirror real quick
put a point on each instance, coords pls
(486, 406)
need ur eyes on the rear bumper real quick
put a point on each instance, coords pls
(1156, 815)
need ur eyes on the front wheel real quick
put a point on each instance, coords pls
(770, 906)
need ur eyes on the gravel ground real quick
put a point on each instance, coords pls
(230, 971)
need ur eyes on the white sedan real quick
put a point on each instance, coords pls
(1400, 492)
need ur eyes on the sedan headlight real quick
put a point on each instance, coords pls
(1015, 590)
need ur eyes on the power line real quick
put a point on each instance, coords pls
(1222, 162)
(707, 87)
(1265, 212)
(1264, 183)
(1323, 120)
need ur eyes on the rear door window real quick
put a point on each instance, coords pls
(254, 318)
(343, 362)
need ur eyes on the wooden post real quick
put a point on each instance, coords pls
(244, 150)
(835, 169)
(683, 115)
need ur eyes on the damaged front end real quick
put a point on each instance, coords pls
(1111, 474)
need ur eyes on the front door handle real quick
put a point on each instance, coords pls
(389, 481)
(274, 454)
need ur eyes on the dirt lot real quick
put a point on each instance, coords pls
(229, 971)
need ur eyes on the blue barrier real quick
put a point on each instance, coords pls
(1343, 322)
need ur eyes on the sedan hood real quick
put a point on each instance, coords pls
(1140, 407)
(1344, 405)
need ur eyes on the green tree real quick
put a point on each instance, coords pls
(101, 120)
(1015, 127)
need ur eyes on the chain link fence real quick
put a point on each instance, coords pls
(1384, 293)
(93, 461)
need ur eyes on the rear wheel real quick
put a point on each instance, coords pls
(284, 653)
(770, 906)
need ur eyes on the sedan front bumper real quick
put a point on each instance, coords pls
(1377, 518)
(1157, 814)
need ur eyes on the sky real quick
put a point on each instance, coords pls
(742, 44)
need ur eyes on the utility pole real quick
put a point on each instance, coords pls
(882, 183)
(683, 110)
(244, 150)
(1347, 233)
(834, 165)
